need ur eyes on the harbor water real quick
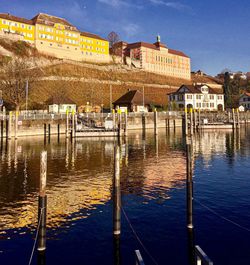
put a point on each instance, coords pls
(153, 197)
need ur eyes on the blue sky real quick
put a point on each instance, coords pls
(214, 33)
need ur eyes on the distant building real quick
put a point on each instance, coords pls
(245, 100)
(56, 37)
(156, 58)
(197, 97)
(60, 104)
(133, 101)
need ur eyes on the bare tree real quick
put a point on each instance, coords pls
(113, 38)
(16, 74)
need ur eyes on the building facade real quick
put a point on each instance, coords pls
(156, 58)
(245, 100)
(57, 37)
(200, 97)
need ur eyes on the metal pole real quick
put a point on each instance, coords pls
(42, 203)
(189, 183)
(155, 122)
(117, 193)
(67, 124)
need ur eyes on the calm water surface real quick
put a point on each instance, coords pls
(80, 180)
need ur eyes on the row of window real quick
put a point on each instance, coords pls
(102, 43)
(204, 105)
(200, 97)
(181, 97)
(59, 32)
(10, 23)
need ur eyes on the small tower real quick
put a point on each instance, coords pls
(158, 38)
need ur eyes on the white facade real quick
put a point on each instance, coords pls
(62, 108)
(245, 101)
(197, 97)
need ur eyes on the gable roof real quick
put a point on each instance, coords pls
(133, 97)
(17, 19)
(91, 35)
(49, 20)
(195, 89)
(59, 99)
(245, 94)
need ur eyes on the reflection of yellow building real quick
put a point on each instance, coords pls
(57, 37)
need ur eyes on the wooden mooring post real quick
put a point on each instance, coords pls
(191, 122)
(16, 124)
(67, 124)
(58, 132)
(186, 122)
(42, 204)
(9, 134)
(126, 123)
(2, 128)
(117, 193)
(143, 119)
(189, 183)
(234, 123)
(238, 118)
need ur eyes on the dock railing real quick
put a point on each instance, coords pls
(138, 258)
(201, 258)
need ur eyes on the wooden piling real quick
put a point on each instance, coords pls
(16, 124)
(2, 127)
(10, 126)
(174, 124)
(191, 122)
(143, 119)
(126, 123)
(67, 124)
(117, 193)
(234, 127)
(155, 122)
(189, 183)
(195, 120)
(238, 118)
(199, 118)
(42, 203)
(186, 122)
(49, 130)
(73, 125)
(58, 132)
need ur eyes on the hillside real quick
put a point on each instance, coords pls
(87, 82)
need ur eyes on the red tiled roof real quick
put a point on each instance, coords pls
(177, 53)
(91, 35)
(247, 94)
(155, 47)
(14, 18)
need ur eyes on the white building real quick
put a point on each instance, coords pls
(60, 104)
(245, 100)
(197, 97)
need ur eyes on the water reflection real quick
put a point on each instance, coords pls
(80, 172)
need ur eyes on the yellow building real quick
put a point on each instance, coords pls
(56, 37)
